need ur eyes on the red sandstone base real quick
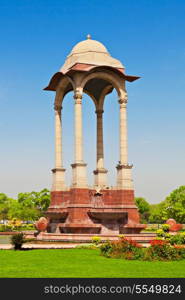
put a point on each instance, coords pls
(85, 211)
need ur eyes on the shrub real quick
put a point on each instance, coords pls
(5, 228)
(96, 240)
(158, 242)
(129, 255)
(17, 240)
(160, 233)
(150, 229)
(30, 226)
(180, 250)
(167, 236)
(178, 239)
(182, 234)
(15, 223)
(16, 227)
(106, 248)
(122, 248)
(162, 250)
(165, 227)
(158, 238)
(138, 253)
(27, 227)
(84, 246)
(121, 236)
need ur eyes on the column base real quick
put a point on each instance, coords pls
(79, 175)
(124, 177)
(58, 179)
(100, 177)
(81, 211)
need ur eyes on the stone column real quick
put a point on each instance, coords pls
(124, 178)
(58, 171)
(100, 179)
(79, 167)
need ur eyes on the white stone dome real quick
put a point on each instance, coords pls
(90, 52)
(88, 46)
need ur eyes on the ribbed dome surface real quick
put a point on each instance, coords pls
(90, 52)
(89, 46)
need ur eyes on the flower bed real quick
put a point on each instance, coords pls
(127, 249)
(122, 249)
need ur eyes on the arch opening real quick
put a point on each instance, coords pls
(98, 80)
(111, 136)
(89, 134)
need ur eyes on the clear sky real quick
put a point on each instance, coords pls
(147, 36)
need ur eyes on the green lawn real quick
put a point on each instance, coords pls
(81, 263)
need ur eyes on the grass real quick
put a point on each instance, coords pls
(79, 263)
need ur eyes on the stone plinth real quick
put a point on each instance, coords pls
(87, 212)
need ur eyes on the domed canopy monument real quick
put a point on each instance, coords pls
(79, 208)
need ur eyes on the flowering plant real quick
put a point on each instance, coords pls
(165, 227)
(96, 240)
(158, 242)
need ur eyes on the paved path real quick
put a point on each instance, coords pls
(5, 246)
(49, 246)
(42, 246)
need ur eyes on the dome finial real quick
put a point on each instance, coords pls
(88, 36)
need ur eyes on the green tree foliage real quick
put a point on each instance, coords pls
(144, 208)
(22, 212)
(156, 216)
(39, 200)
(142, 205)
(3, 198)
(174, 205)
(4, 206)
(28, 206)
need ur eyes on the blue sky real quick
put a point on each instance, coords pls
(147, 36)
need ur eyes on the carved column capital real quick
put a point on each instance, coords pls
(78, 97)
(123, 101)
(124, 166)
(57, 108)
(99, 112)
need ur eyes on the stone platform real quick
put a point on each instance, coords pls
(87, 212)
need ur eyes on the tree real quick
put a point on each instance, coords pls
(38, 200)
(174, 205)
(5, 204)
(22, 212)
(42, 200)
(156, 213)
(143, 207)
(3, 198)
(28, 206)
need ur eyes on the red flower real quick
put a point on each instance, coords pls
(133, 243)
(158, 242)
(129, 255)
(179, 246)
